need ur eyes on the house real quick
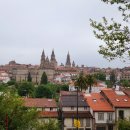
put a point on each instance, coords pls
(68, 110)
(102, 111)
(119, 101)
(46, 107)
(4, 77)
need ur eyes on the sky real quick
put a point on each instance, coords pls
(29, 26)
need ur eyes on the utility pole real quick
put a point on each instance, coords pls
(77, 110)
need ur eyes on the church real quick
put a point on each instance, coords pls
(19, 72)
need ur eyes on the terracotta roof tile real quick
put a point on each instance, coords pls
(52, 114)
(97, 102)
(40, 102)
(117, 98)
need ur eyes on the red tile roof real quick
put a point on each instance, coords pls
(117, 98)
(49, 114)
(40, 102)
(97, 102)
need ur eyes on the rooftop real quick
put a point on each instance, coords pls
(40, 102)
(97, 102)
(117, 98)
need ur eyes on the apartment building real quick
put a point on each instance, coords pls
(102, 111)
(68, 110)
(46, 107)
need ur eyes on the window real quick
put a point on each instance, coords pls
(121, 114)
(87, 122)
(109, 116)
(81, 122)
(100, 116)
(51, 109)
(72, 108)
(85, 108)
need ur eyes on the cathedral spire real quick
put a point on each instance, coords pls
(53, 56)
(73, 64)
(68, 63)
(42, 59)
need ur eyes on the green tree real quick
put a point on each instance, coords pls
(81, 81)
(90, 80)
(123, 125)
(26, 89)
(29, 78)
(44, 79)
(43, 91)
(112, 78)
(11, 82)
(13, 113)
(115, 35)
(100, 76)
(125, 83)
(50, 125)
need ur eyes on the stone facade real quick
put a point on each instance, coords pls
(50, 66)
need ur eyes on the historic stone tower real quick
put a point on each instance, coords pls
(53, 62)
(68, 63)
(46, 63)
(73, 64)
(43, 60)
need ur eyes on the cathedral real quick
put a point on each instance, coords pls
(19, 72)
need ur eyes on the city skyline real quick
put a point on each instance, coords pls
(28, 27)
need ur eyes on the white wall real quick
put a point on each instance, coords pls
(105, 117)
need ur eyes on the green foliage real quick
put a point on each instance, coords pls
(90, 80)
(48, 125)
(115, 35)
(29, 78)
(124, 125)
(125, 83)
(81, 81)
(26, 89)
(100, 76)
(13, 113)
(112, 78)
(44, 79)
(108, 83)
(43, 91)
(11, 82)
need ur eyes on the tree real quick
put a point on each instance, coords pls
(115, 35)
(81, 81)
(100, 76)
(14, 115)
(26, 89)
(112, 78)
(90, 80)
(51, 124)
(125, 83)
(123, 125)
(44, 79)
(29, 78)
(43, 91)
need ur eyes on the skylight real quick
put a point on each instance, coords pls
(117, 100)
(125, 100)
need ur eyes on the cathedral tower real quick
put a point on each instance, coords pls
(68, 63)
(73, 64)
(53, 61)
(43, 60)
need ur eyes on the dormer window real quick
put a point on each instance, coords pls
(125, 100)
(117, 100)
(94, 100)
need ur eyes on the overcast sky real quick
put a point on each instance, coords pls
(29, 26)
